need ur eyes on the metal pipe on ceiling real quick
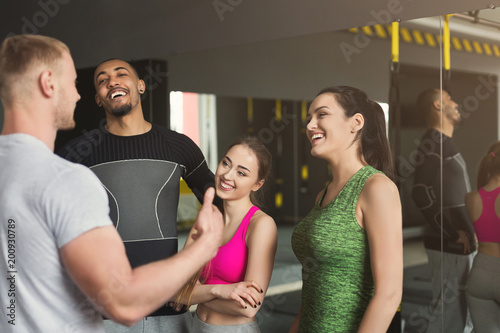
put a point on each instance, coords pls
(474, 18)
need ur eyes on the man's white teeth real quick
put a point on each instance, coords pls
(117, 94)
(317, 136)
(225, 186)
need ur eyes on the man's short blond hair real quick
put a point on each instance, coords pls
(20, 53)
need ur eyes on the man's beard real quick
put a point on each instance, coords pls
(121, 111)
(457, 120)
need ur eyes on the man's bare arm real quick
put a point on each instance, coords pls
(97, 263)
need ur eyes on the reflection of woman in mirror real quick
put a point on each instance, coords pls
(350, 244)
(236, 280)
(483, 207)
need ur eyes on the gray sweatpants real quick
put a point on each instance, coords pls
(449, 312)
(162, 324)
(483, 293)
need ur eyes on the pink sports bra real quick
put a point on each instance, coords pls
(487, 226)
(230, 263)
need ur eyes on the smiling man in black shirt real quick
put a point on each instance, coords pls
(140, 165)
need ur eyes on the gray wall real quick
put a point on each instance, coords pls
(294, 68)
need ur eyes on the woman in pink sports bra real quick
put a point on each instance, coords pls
(234, 283)
(483, 208)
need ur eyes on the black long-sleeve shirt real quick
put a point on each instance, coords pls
(427, 193)
(141, 175)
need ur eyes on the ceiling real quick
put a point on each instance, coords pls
(101, 29)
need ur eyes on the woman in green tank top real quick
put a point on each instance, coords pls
(350, 244)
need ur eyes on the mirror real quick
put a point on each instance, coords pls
(463, 146)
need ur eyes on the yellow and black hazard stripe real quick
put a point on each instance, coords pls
(414, 36)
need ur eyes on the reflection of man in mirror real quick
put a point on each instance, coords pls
(140, 164)
(448, 221)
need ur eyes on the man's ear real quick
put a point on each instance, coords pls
(437, 104)
(141, 86)
(97, 101)
(47, 83)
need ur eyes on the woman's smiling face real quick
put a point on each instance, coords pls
(328, 128)
(237, 173)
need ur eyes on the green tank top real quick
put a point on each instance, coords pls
(336, 272)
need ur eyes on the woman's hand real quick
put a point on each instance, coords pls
(245, 292)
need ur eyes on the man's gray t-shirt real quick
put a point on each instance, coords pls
(45, 202)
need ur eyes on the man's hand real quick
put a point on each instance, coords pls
(209, 224)
(463, 239)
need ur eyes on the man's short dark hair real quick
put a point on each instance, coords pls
(131, 66)
(425, 101)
